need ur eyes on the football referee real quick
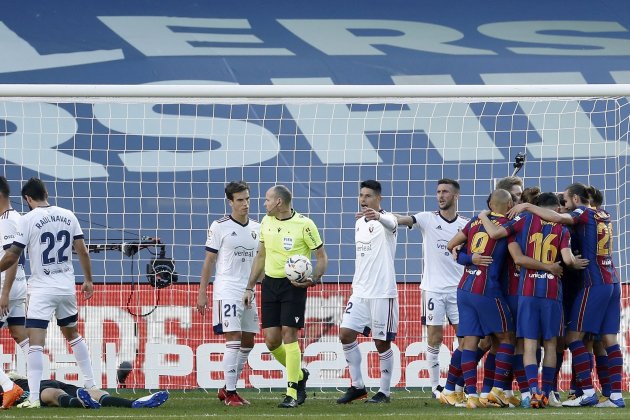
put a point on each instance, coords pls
(283, 233)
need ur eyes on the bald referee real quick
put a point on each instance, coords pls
(283, 233)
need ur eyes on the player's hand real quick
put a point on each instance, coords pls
(248, 298)
(358, 215)
(481, 260)
(309, 282)
(371, 214)
(4, 305)
(87, 289)
(580, 263)
(517, 209)
(485, 213)
(202, 303)
(455, 251)
(555, 269)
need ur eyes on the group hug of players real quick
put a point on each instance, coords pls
(530, 274)
(549, 280)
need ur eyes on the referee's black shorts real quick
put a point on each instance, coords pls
(283, 304)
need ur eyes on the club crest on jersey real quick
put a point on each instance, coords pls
(254, 235)
(226, 323)
(371, 229)
(287, 243)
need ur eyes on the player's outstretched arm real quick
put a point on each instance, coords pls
(545, 214)
(86, 266)
(404, 220)
(206, 271)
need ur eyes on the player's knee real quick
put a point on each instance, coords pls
(435, 335)
(347, 336)
(382, 346)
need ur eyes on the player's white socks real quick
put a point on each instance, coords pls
(353, 358)
(387, 366)
(5, 381)
(82, 356)
(243, 354)
(34, 369)
(230, 364)
(432, 355)
(24, 346)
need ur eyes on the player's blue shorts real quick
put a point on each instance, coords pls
(539, 318)
(597, 309)
(512, 302)
(481, 315)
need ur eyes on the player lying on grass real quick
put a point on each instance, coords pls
(61, 394)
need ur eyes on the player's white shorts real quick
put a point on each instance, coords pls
(436, 307)
(231, 315)
(17, 313)
(40, 308)
(378, 315)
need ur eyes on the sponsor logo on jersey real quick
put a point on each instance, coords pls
(234, 233)
(287, 243)
(473, 271)
(439, 227)
(541, 276)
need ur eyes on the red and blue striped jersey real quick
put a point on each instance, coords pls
(594, 237)
(542, 241)
(484, 280)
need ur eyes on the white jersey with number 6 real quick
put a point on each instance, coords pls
(8, 226)
(48, 232)
(440, 273)
(374, 274)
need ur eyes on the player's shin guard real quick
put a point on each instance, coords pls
(581, 364)
(601, 364)
(353, 358)
(503, 365)
(488, 373)
(454, 370)
(82, 355)
(548, 374)
(34, 370)
(243, 354)
(230, 364)
(615, 370)
(386, 361)
(432, 355)
(519, 371)
(294, 371)
(280, 354)
(469, 370)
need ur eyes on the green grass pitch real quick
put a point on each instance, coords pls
(320, 404)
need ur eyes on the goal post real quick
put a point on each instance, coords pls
(144, 168)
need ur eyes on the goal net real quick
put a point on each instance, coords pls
(135, 169)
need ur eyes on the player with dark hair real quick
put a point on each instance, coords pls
(482, 307)
(373, 305)
(230, 247)
(284, 233)
(62, 394)
(49, 233)
(597, 309)
(440, 273)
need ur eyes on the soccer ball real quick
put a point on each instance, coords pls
(298, 268)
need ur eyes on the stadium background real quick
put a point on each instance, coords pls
(83, 151)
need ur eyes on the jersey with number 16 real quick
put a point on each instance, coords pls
(47, 233)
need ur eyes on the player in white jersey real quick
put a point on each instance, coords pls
(373, 305)
(49, 233)
(230, 248)
(13, 297)
(440, 273)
